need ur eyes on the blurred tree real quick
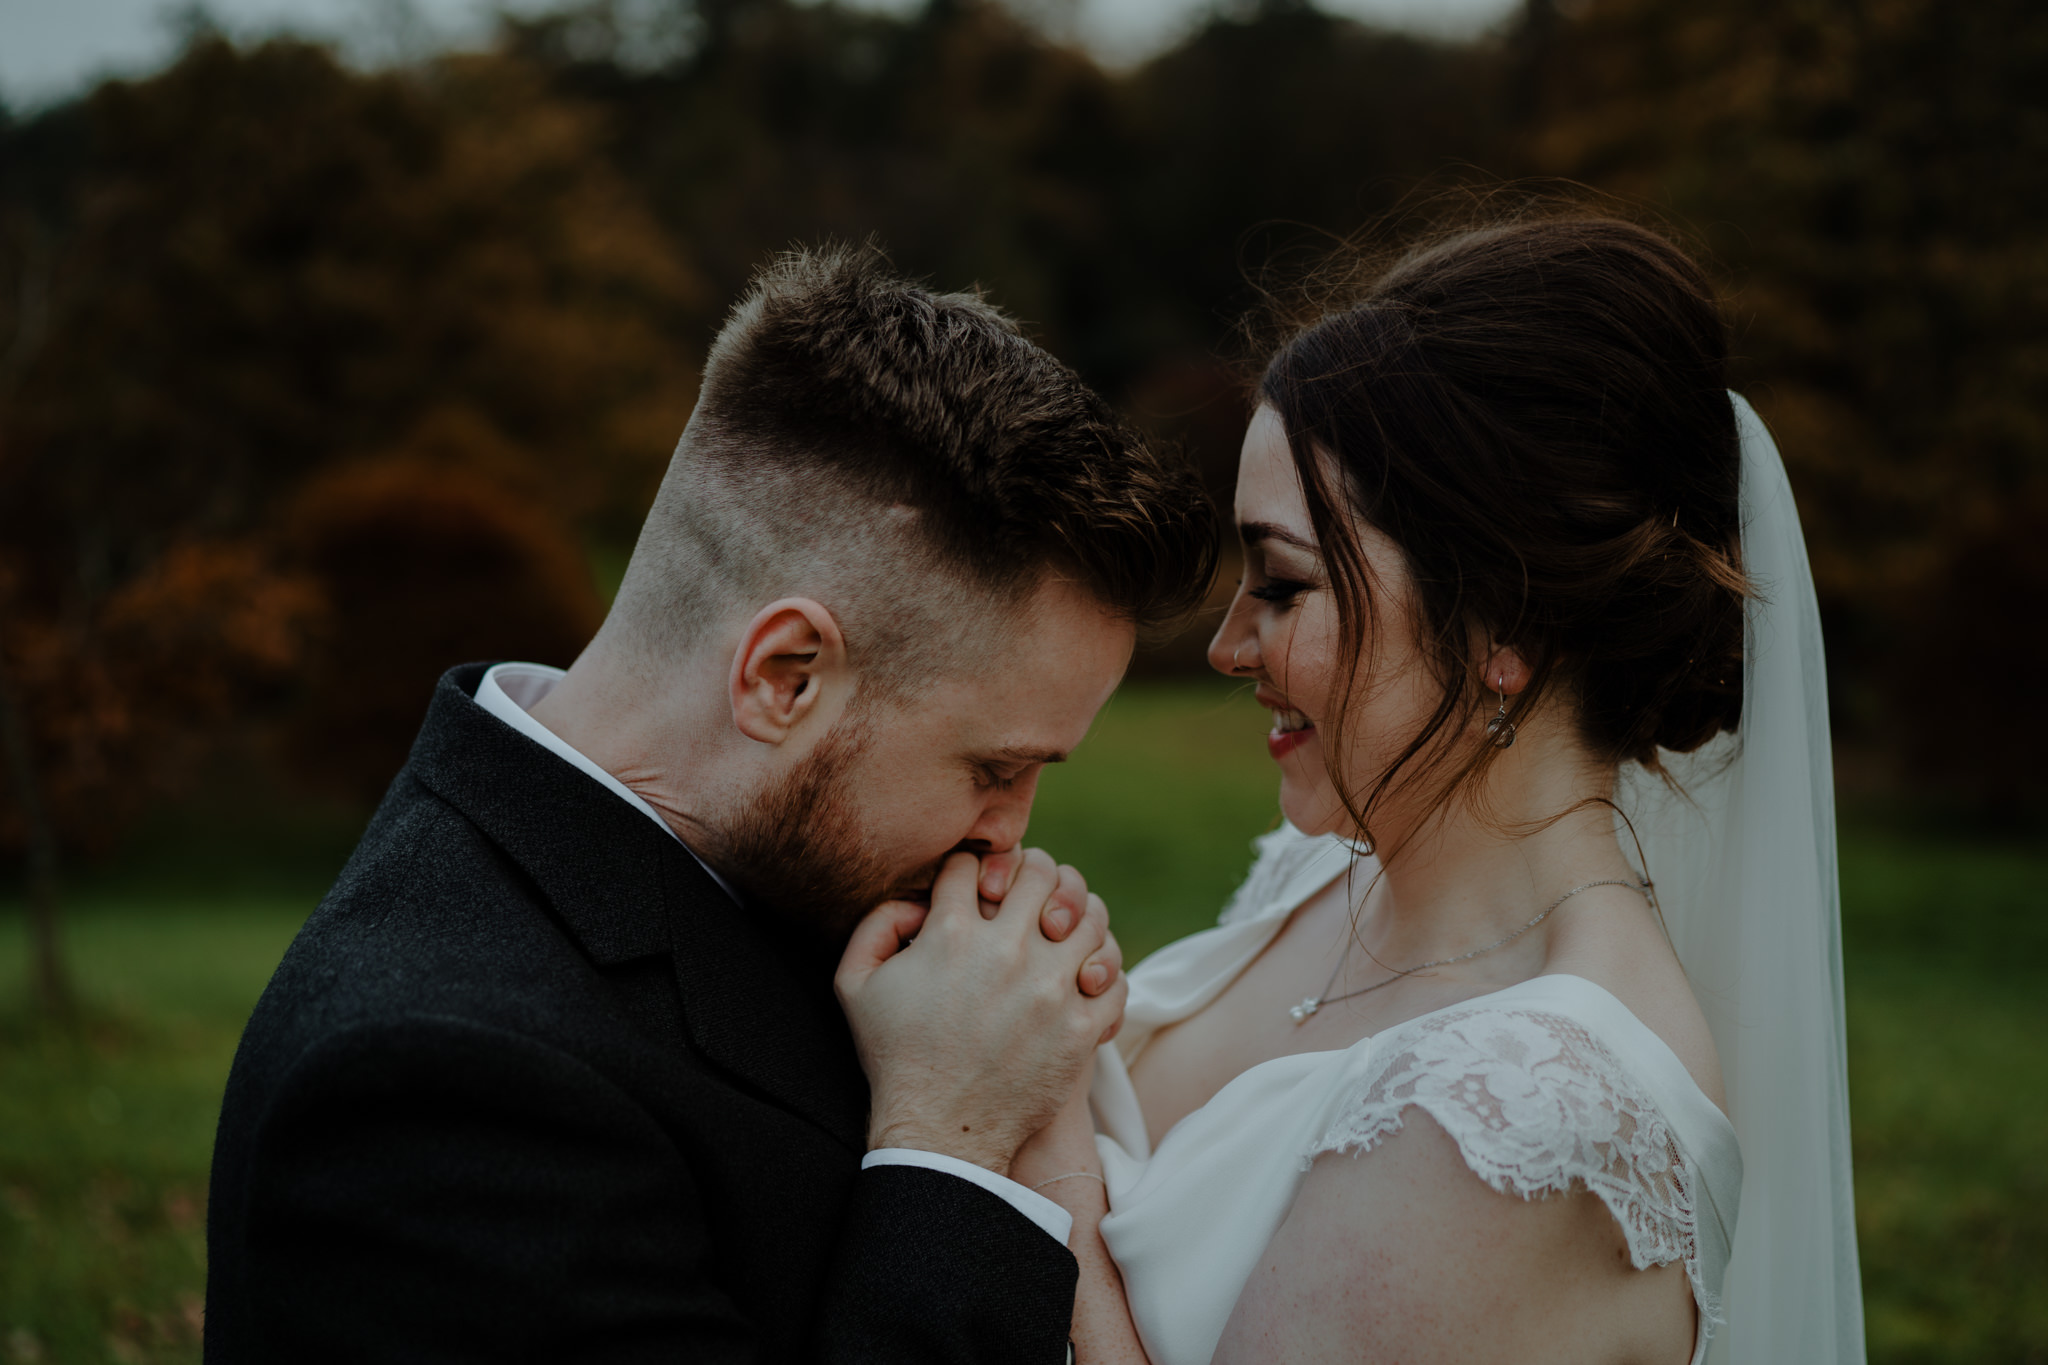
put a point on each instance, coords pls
(1964, 678)
(272, 262)
(219, 282)
(378, 333)
(1111, 212)
(425, 561)
(1302, 124)
(1273, 134)
(102, 712)
(971, 145)
(1872, 174)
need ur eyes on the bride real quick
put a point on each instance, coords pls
(1539, 982)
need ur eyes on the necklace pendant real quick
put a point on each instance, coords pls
(1308, 1006)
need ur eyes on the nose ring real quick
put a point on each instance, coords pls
(1236, 662)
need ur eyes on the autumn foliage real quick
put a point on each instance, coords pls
(318, 382)
(315, 381)
(419, 565)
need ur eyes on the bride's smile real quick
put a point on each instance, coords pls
(1291, 728)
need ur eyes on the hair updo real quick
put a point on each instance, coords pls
(1537, 414)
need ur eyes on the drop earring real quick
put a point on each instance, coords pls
(1500, 729)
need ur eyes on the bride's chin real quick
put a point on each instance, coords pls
(1311, 805)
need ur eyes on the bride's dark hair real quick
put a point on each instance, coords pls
(1536, 413)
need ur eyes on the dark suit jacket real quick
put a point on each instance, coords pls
(530, 1086)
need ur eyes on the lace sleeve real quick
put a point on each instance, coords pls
(1537, 1105)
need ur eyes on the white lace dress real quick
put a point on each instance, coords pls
(1549, 1085)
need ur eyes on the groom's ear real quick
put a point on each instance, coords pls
(791, 656)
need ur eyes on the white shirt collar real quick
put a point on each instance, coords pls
(509, 689)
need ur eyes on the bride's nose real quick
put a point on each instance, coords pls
(1234, 651)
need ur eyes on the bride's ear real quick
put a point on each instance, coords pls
(1504, 670)
(790, 657)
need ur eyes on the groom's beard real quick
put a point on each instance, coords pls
(799, 848)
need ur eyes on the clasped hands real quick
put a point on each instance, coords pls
(975, 1016)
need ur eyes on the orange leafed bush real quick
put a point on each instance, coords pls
(422, 567)
(119, 706)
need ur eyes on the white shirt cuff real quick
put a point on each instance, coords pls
(1056, 1221)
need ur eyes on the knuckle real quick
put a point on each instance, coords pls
(1086, 1026)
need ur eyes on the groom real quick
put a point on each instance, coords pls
(556, 1070)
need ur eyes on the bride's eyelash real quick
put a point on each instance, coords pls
(1280, 591)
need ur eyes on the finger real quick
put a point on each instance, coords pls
(998, 871)
(1088, 936)
(1067, 906)
(1108, 1008)
(1103, 968)
(953, 889)
(1036, 878)
(878, 937)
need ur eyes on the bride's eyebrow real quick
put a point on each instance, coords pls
(1253, 532)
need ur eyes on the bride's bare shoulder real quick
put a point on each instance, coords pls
(1400, 1254)
(1626, 954)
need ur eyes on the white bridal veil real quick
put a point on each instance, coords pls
(1744, 865)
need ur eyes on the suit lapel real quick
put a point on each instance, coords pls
(755, 1005)
(761, 1008)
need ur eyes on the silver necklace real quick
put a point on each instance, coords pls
(1310, 1004)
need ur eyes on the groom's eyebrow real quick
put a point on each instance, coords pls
(1252, 532)
(1024, 754)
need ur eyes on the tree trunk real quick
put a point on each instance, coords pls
(52, 984)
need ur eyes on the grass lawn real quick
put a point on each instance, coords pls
(105, 1131)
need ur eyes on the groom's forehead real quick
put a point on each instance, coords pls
(998, 716)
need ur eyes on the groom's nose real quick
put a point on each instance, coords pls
(1004, 814)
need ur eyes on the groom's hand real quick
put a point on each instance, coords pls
(1070, 906)
(972, 1036)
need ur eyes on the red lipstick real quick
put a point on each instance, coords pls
(1280, 743)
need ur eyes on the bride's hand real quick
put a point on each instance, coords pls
(1065, 1146)
(1102, 1332)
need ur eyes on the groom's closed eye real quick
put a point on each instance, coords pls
(1008, 764)
(996, 776)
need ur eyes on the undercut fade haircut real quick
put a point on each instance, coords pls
(910, 460)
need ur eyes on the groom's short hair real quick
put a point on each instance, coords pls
(911, 459)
